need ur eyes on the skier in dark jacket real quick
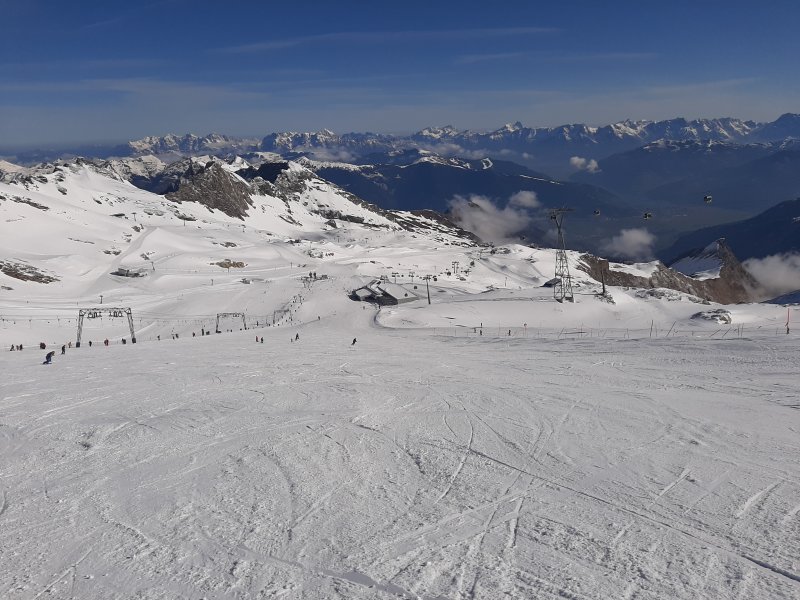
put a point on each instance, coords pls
(49, 357)
(354, 342)
(63, 349)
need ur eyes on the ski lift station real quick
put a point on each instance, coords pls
(123, 272)
(383, 293)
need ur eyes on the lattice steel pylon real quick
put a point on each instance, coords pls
(562, 290)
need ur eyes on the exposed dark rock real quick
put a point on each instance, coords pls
(25, 272)
(733, 285)
(230, 264)
(268, 171)
(27, 201)
(720, 315)
(212, 186)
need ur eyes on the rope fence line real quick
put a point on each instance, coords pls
(653, 332)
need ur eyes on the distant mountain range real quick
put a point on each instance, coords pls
(681, 174)
(548, 149)
(545, 148)
(774, 231)
(417, 179)
(746, 177)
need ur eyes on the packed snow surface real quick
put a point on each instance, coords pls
(491, 444)
(409, 464)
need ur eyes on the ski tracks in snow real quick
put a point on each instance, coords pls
(464, 456)
(748, 504)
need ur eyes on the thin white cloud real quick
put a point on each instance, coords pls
(777, 274)
(583, 164)
(469, 59)
(540, 57)
(525, 199)
(634, 244)
(371, 37)
(490, 223)
(605, 56)
(704, 86)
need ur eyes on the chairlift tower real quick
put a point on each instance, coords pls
(562, 290)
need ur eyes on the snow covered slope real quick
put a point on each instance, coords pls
(701, 264)
(409, 464)
(491, 443)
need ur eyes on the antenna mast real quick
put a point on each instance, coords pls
(563, 288)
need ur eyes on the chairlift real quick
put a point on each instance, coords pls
(647, 215)
(596, 212)
(707, 198)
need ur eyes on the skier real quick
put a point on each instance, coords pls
(354, 342)
(296, 337)
(63, 349)
(49, 357)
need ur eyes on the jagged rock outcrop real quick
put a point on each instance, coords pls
(214, 187)
(732, 285)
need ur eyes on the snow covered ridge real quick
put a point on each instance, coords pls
(232, 186)
(68, 217)
(722, 129)
(515, 137)
(702, 264)
(173, 145)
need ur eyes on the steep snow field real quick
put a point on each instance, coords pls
(491, 444)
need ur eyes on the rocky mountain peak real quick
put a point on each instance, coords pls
(212, 185)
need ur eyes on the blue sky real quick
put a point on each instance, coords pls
(104, 71)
